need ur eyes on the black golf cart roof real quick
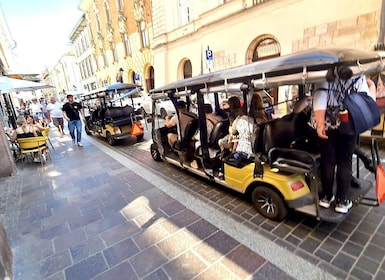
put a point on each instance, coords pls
(101, 92)
(308, 66)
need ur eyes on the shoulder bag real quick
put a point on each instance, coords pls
(363, 111)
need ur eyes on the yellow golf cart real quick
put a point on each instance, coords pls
(282, 173)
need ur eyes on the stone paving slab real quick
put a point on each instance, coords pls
(85, 215)
(351, 249)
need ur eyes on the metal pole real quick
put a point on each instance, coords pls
(381, 37)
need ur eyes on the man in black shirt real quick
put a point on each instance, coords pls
(72, 111)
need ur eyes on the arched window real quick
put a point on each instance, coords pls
(150, 77)
(187, 69)
(266, 47)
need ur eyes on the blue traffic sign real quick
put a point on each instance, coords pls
(209, 55)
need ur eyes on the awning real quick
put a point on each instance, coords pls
(9, 84)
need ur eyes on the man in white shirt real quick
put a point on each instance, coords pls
(36, 109)
(55, 115)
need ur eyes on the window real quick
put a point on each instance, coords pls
(104, 59)
(266, 48)
(127, 47)
(120, 5)
(143, 33)
(107, 12)
(114, 53)
(82, 72)
(184, 12)
(89, 61)
(187, 69)
(97, 18)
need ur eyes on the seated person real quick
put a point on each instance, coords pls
(25, 130)
(234, 108)
(211, 120)
(185, 118)
(36, 124)
(257, 110)
(243, 126)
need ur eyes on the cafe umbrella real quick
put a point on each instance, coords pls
(16, 85)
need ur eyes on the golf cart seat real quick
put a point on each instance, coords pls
(119, 115)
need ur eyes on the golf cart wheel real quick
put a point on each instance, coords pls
(155, 152)
(110, 139)
(139, 137)
(163, 113)
(88, 132)
(269, 203)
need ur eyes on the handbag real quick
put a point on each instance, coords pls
(363, 111)
(136, 129)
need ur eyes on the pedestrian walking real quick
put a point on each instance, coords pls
(72, 112)
(55, 115)
(36, 110)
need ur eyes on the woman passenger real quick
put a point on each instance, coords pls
(243, 127)
(25, 130)
(234, 109)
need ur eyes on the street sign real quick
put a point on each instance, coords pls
(209, 54)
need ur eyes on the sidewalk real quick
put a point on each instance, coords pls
(92, 215)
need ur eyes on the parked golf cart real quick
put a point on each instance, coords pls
(112, 114)
(283, 171)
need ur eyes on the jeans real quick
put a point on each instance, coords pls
(240, 155)
(337, 150)
(75, 124)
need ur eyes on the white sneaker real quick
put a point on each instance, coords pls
(36, 160)
(325, 202)
(343, 206)
(80, 144)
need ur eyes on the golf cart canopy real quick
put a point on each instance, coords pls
(304, 67)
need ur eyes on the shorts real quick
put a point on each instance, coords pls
(58, 121)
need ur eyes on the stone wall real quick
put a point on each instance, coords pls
(357, 32)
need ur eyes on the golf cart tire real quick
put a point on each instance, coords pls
(155, 154)
(140, 137)
(88, 132)
(269, 203)
(110, 139)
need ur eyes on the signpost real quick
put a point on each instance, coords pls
(209, 59)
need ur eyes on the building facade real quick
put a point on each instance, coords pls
(119, 33)
(85, 59)
(64, 76)
(238, 32)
